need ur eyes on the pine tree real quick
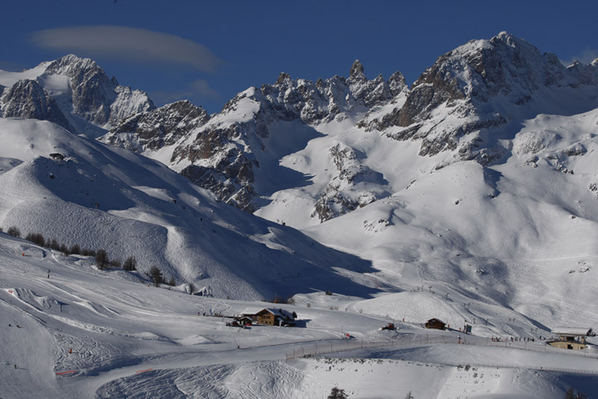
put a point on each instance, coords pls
(130, 264)
(101, 258)
(75, 249)
(156, 275)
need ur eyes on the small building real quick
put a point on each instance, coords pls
(571, 337)
(436, 324)
(273, 317)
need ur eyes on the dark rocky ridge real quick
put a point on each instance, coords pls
(27, 99)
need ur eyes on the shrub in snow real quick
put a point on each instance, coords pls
(337, 394)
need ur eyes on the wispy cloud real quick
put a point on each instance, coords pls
(199, 90)
(586, 57)
(131, 44)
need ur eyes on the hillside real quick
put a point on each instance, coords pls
(100, 197)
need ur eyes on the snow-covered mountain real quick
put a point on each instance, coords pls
(471, 196)
(460, 109)
(483, 168)
(477, 171)
(72, 92)
(236, 153)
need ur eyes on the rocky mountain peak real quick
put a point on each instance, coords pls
(357, 72)
(282, 78)
(455, 106)
(27, 99)
(464, 83)
(76, 67)
(397, 83)
(95, 97)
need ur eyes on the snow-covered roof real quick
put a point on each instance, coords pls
(281, 312)
(573, 331)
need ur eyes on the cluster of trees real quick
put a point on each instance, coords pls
(101, 256)
(75, 249)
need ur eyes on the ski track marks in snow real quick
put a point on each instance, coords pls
(251, 380)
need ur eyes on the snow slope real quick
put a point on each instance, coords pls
(70, 330)
(100, 197)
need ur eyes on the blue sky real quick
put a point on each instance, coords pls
(207, 51)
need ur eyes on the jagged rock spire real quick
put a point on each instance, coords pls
(357, 73)
(282, 78)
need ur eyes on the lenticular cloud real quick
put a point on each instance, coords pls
(132, 44)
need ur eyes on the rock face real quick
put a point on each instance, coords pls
(152, 130)
(27, 99)
(345, 193)
(74, 93)
(222, 154)
(95, 97)
(481, 83)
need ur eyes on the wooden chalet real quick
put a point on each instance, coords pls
(436, 324)
(571, 337)
(273, 317)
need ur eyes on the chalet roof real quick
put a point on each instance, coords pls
(251, 311)
(285, 314)
(573, 331)
(435, 319)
